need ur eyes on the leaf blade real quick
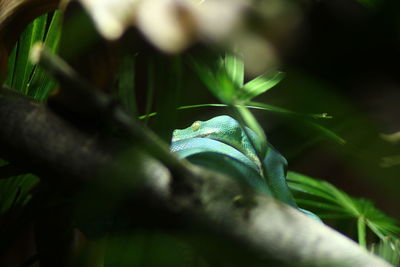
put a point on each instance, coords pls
(234, 67)
(23, 67)
(260, 85)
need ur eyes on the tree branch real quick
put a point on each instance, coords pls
(37, 139)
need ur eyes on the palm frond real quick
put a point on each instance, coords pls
(329, 202)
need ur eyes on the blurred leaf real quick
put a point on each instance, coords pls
(168, 87)
(126, 88)
(391, 138)
(234, 67)
(150, 89)
(370, 3)
(260, 85)
(388, 249)
(221, 79)
(215, 77)
(204, 72)
(335, 202)
(145, 248)
(14, 191)
(327, 132)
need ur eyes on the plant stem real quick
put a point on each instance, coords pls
(361, 232)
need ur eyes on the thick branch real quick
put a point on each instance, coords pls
(37, 139)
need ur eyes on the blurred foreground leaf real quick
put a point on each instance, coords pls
(388, 249)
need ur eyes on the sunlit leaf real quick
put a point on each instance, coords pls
(234, 67)
(260, 85)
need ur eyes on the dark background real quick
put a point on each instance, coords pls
(345, 61)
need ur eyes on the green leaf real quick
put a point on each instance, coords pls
(259, 85)
(320, 205)
(338, 203)
(53, 34)
(310, 190)
(306, 118)
(41, 82)
(234, 67)
(215, 77)
(247, 118)
(283, 111)
(252, 105)
(23, 68)
(14, 191)
(327, 132)
(225, 90)
(334, 216)
(204, 72)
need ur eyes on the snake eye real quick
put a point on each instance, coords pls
(195, 126)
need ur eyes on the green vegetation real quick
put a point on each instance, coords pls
(167, 92)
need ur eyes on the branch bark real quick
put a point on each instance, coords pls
(34, 137)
